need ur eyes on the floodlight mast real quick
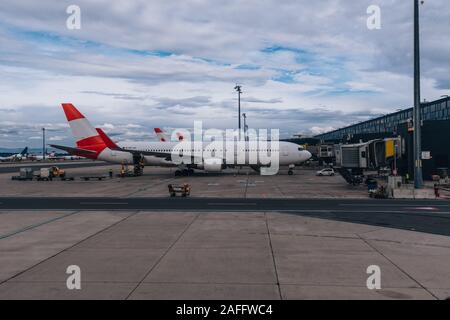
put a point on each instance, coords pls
(418, 177)
(239, 91)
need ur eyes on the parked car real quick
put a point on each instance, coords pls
(326, 172)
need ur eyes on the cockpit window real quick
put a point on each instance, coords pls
(300, 148)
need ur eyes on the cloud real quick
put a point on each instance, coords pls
(303, 65)
(57, 138)
(192, 102)
(257, 100)
(318, 130)
(107, 126)
(120, 96)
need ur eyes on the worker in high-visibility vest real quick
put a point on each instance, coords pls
(436, 190)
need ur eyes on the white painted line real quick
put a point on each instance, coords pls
(388, 205)
(105, 203)
(231, 204)
(384, 211)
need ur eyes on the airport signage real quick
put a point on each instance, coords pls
(426, 155)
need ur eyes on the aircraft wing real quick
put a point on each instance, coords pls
(166, 155)
(158, 154)
(74, 151)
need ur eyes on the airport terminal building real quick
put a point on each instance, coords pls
(435, 135)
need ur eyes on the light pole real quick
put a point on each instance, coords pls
(418, 178)
(43, 144)
(245, 126)
(239, 91)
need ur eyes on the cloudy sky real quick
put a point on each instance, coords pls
(305, 66)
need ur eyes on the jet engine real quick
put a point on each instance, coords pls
(212, 165)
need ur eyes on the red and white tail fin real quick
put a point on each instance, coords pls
(180, 136)
(164, 138)
(109, 143)
(161, 135)
(86, 136)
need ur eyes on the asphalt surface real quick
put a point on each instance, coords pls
(38, 166)
(424, 216)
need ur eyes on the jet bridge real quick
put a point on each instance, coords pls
(353, 159)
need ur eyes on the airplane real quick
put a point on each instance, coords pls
(53, 156)
(39, 157)
(66, 157)
(94, 144)
(15, 157)
(163, 136)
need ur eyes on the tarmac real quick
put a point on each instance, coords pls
(214, 253)
(14, 167)
(243, 183)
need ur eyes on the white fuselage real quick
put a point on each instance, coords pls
(53, 157)
(288, 153)
(14, 157)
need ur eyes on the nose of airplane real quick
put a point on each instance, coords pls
(307, 155)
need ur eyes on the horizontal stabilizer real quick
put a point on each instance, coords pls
(109, 143)
(75, 151)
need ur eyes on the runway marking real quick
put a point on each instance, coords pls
(374, 248)
(231, 204)
(155, 265)
(104, 203)
(4, 236)
(391, 211)
(389, 205)
(66, 249)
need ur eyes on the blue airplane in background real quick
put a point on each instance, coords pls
(17, 156)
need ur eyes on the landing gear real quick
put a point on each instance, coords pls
(138, 163)
(291, 170)
(138, 170)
